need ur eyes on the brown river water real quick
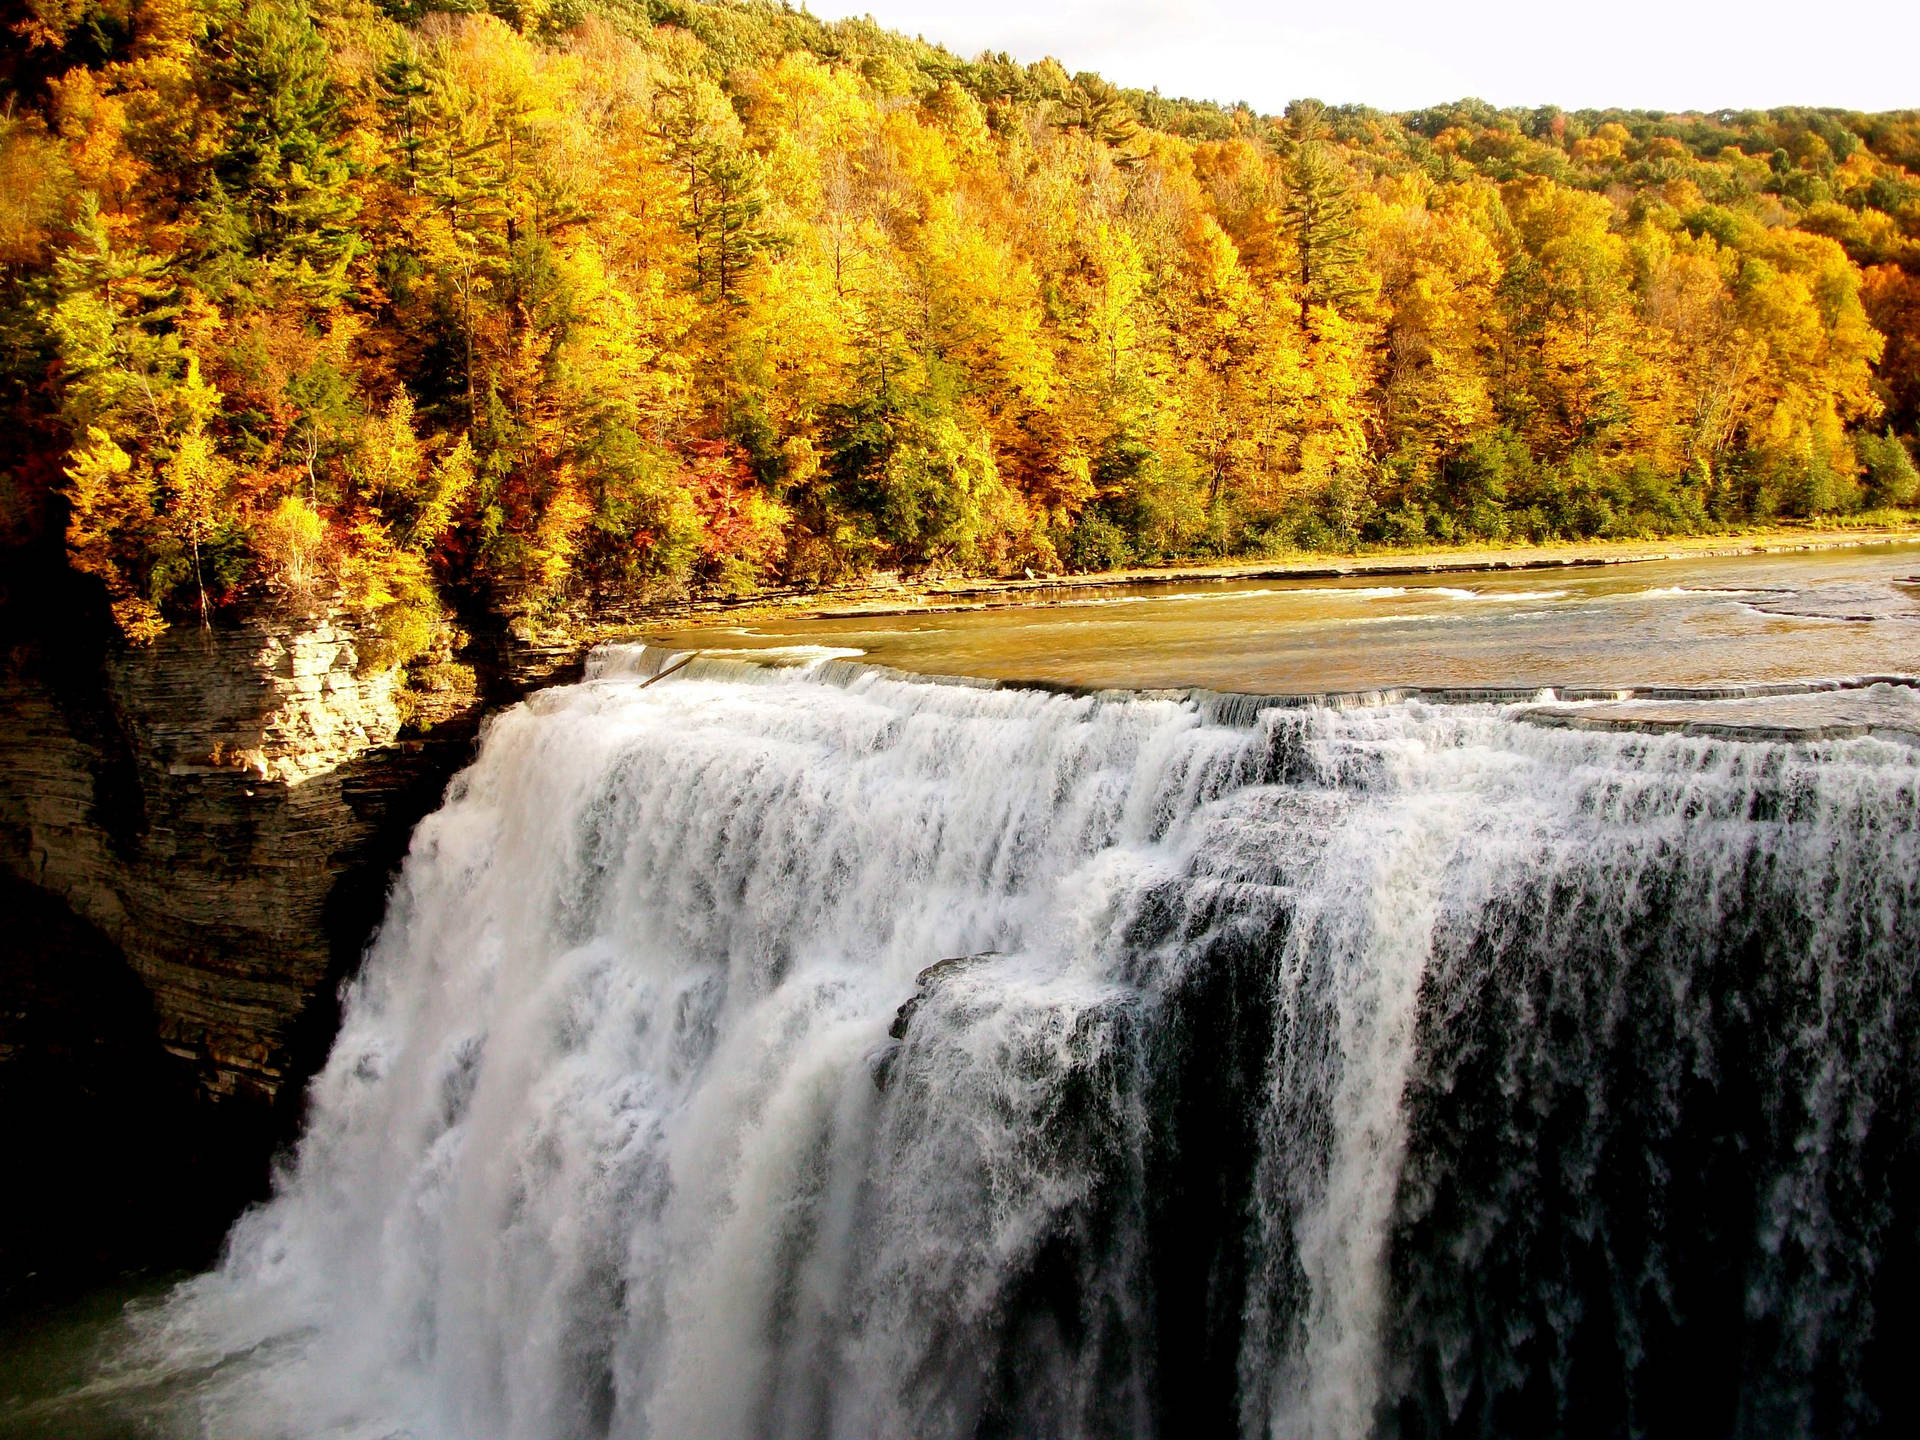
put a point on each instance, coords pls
(1811, 614)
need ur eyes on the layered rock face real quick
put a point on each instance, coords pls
(215, 817)
(201, 818)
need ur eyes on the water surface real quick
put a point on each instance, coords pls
(1692, 621)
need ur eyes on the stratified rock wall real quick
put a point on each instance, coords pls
(196, 840)
(195, 808)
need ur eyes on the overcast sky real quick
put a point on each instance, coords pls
(1398, 54)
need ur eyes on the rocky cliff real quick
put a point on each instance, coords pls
(196, 838)
(200, 817)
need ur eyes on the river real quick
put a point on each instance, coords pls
(1749, 617)
(810, 1049)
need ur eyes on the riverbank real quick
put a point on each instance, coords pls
(888, 594)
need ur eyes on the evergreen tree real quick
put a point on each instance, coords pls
(1317, 210)
(283, 167)
(730, 232)
(1097, 107)
(723, 189)
(403, 96)
(112, 324)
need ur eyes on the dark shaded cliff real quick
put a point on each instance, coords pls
(196, 839)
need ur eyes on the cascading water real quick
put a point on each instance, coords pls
(815, 1052)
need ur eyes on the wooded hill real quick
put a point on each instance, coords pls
(602, 299)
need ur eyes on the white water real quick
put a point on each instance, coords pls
(615, 1139)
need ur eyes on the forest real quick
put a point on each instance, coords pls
(413, 309)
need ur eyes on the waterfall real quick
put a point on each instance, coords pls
(814, 1051)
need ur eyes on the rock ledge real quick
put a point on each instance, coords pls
(1887, 707)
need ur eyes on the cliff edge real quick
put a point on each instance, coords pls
(196, 839)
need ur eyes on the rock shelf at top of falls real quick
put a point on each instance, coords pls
(1791, 711)
(1887, 708)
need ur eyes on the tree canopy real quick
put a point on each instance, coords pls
(401, 306)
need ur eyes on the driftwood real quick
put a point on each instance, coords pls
(677, 665)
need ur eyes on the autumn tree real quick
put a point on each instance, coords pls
(521, 309)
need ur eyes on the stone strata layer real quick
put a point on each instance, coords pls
(224, 806)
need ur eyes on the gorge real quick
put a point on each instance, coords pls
(717, 723)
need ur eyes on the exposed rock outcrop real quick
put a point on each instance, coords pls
(219, 815)
(200, 817)
(882, 1060)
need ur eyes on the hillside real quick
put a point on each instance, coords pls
(423, 312)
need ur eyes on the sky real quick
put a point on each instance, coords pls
(1404, 54)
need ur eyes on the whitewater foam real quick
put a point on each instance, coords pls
(652, 1113)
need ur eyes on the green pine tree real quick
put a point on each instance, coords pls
(732, 233)
(1317, 210)
(283, 163)
(402, 98)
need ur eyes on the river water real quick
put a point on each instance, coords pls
(811, 1050)
(1750, 617)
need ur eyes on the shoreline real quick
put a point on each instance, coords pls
(881, 597)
